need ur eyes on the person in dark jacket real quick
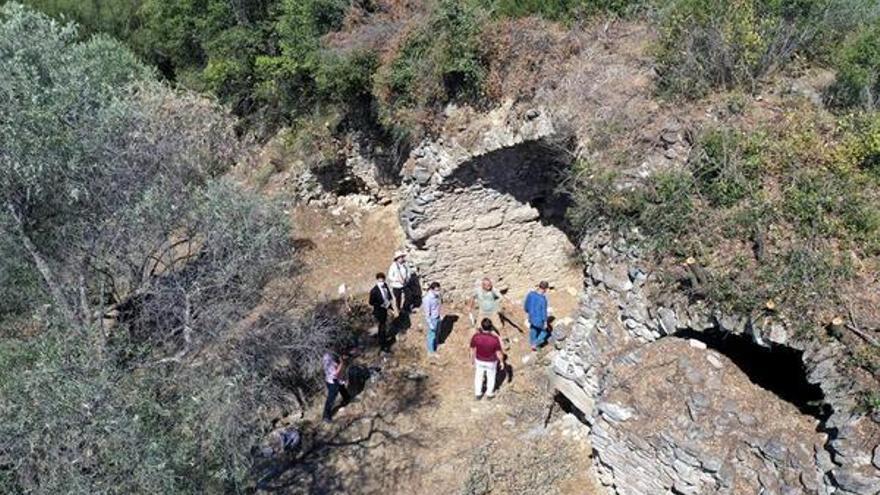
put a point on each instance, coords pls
(381, 299)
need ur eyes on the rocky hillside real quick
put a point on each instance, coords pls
(698, 181)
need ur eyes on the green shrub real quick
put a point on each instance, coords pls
(858, 71)
(344, 79)
(732, 43)
(440, 62)
(598, 201)
(725, 166)
(668, 206)
(118, 18)
(778, 213)
(561, 10)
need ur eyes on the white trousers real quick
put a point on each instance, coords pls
(487, 368)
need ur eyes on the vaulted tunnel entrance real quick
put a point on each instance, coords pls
(778, 369)
(501, 215)
(531, 173)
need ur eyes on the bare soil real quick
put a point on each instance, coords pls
(415, 427)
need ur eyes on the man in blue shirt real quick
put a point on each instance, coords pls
(535, 306)
(432, 316)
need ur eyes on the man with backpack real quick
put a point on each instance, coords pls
(487, 356)
(535, 305)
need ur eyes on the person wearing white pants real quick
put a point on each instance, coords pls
(486, 354)
(487, 369)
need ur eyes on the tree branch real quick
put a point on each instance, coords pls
(42, 267)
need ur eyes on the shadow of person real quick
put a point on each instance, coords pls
(549, 331)
(399, 325)
(446, 325)
(414, 292)
(505, 375)
(507, 321)
(358, 376)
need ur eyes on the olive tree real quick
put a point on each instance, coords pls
(155, 269)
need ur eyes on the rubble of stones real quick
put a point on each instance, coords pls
(713, 445)
(359, 166)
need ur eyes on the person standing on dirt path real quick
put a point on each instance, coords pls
(399, 277)
(488, 301)
(487, 356)
(334, 376)
(432, 306)
(535, 305)
(381, 300)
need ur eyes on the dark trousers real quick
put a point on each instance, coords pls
(381, 315)
(398, 298)
(333, 389)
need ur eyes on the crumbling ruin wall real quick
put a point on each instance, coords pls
(486, 204)
(668, 415)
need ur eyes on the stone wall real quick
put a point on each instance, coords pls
(669, 416)
(486, 204)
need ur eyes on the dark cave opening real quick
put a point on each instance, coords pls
(778, 369)
(335, 177)
(561, 402)
(531, 172)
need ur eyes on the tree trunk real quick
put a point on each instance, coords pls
(42, 267)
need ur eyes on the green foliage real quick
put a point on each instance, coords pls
(561, 10)
(668, 209)
(778, 213)
(732, 43)
(439, 62)
(726, 167)
(857, 65)
(598, 201)
(118, 18)
(147, 376)
(869, 402)
(856, 61)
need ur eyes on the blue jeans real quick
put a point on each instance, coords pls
(537, 336)
(334, 389)
(433, 327)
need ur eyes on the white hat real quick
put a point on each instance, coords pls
(398, 254)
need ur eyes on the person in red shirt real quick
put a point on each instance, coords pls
(487, 356)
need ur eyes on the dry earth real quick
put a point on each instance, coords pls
(415, 427)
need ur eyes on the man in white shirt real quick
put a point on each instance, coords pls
(399, 275)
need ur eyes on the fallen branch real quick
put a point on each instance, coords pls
(854, 327)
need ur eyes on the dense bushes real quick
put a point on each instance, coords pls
(561, 10)
(439, 61)
(136, 266)
(858, 72)
(728, 43)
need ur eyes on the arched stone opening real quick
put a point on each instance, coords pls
(776, 368)
(498, 214)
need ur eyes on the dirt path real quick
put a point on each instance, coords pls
(415, 427)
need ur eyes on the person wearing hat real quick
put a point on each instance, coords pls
(535, 305)
(399, 276)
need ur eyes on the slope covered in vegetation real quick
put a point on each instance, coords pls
(141, 288)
